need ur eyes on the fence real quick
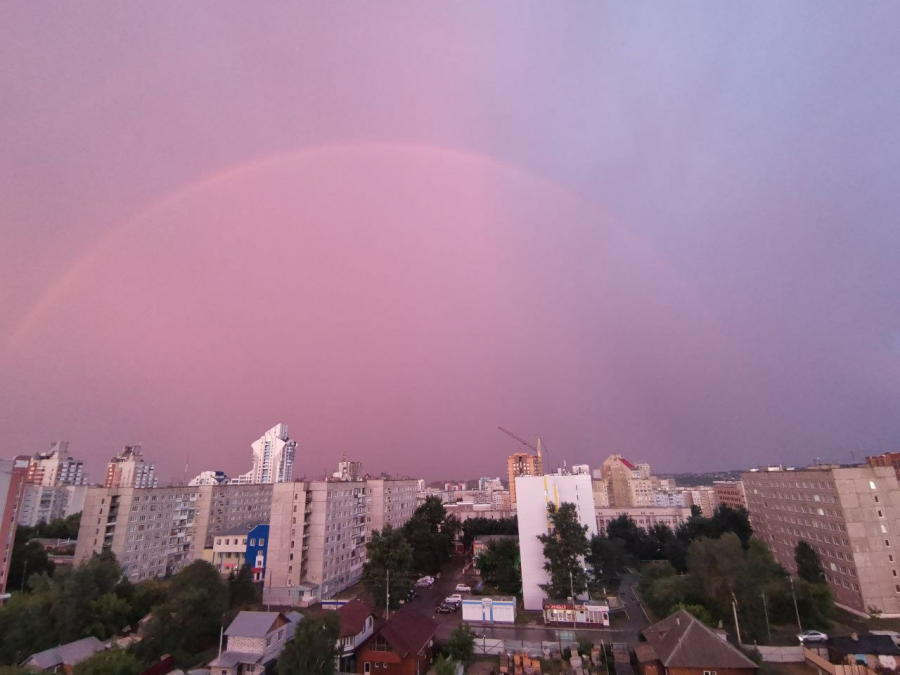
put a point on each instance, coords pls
(782, 654)
(823, 666)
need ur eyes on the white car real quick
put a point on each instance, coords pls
(455, 599)
(425, 582)
(463, 588)
(812, 636)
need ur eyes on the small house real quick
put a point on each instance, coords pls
(489, 609)
(404, 645)
(579, 612)
(253, 641)
(62, 659)
(357, 625)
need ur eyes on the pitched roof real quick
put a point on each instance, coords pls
(254, 624)
(408, 632)
(682, 641)
(867, 643)
(626, 462)
(68, 654)
(353, 617)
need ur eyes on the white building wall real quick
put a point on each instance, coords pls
(534, 494)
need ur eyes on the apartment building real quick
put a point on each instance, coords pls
(644, 517)
(129, 469)
(157, 531)
(536, 493)
(55, 467)
(891, 459)
(392, 501)
(730, 493)
(601, 492)
(45, 503)
(273, 457)
(318, 532)
(851, 515)
(705, 498)
(627, 484)
(522, 464)
(13, 474)
(670, 499)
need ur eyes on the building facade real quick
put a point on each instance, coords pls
(157, 531)
(704, 498)
(273, 456)
(730, 493)
(43, 504)
(891, 459)
(644, 517)
(850, 515)
(522, 464)
(535, 494)
(392, 502)
(13, 474)
(128, 469)
(209, 478)
(56, 467)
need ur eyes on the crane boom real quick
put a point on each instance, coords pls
(522, 441)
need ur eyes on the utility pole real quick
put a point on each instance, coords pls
(221, 634)
(737, 625)
(574, 615)
(766, 612)
(796, 609)
(24, 576)
(387, 595)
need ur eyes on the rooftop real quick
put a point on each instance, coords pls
(682, 641)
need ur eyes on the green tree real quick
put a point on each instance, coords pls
(500, 566)
(190, 619)
(442, 666)
(25, 626)
(565, 547)
(461, 645)
(75, 590)
(145, 596)
(314, 647)
(109, 614)
(110, 662)
(430, 532)
(389, 557)
(242, 591)
(809, 564)
(476, 527)
(699, 611)
(607, 559)
(28, 558)
(632, 537)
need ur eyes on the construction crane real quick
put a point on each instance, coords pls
(539, 449)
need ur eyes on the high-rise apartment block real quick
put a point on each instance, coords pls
(535, 494)
(46, 503)
(730, 493)
(891, 459)
(128, 469)
(628, 484)
(318, 532)
(13, 474)
(704, 498)
(850, 515)
(644, 517)
(157, 531)
(348, 470)
(522, 464)
(210, 478)
(273, 457)
(55, 467)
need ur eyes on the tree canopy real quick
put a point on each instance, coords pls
(461, 645)
(500, 566)
(476, 527)
(565, 547)
(110, 662)
(607, 559)
(388, 551)
(809, 564)
(314, 647)
(430, 532)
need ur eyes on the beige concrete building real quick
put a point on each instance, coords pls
(628, 484)
(56, 467)
(601, 492)
(157, 531)
(851, 515)
(730, 493)
(643, 516)
(318, 532)
(45, 503)
(129, 469)
(392, 501)
(705, 498)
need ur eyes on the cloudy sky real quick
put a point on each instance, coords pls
(670, 231)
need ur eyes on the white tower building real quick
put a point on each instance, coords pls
(273, 456)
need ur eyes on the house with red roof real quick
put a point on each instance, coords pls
(403, 645)
(357, 625)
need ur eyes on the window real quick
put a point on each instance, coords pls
(872, 484)
(709, 672)
(891, 557)
(887, 542)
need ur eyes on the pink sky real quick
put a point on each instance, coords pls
(393, 228)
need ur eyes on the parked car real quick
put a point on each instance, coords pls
(445, 609)
(425, 582)
(463, 588)
(456, 599)
(812, 636)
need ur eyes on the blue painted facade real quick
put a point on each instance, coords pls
(257, 550)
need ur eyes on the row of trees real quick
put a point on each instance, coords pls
(397, 557)
(724, 576)
(96, 599)
(29, 557)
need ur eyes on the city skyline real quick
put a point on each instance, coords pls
(668, 234)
